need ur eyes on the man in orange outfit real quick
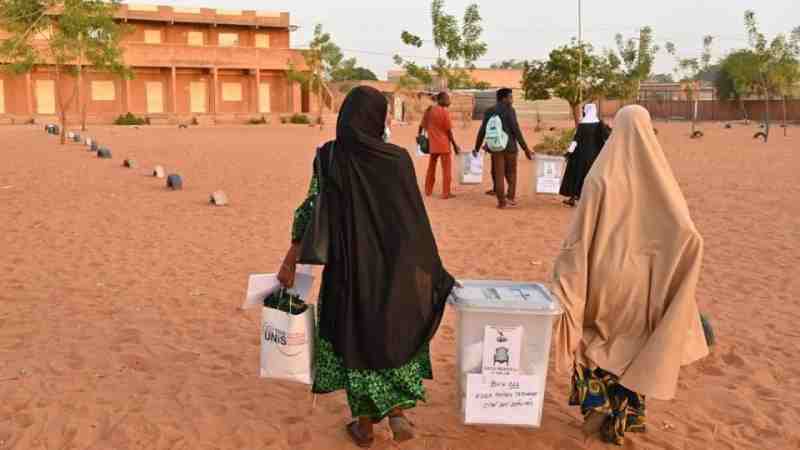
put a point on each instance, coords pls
(440, 136)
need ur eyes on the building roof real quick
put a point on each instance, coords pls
(175, 14)
(496, 78)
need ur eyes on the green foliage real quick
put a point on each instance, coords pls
(130, 119)
(775, 65)
(458, 46)
(690, 70)
(557, 143)
(258, 120)
(410, 39)
(536, 81)
(325, 52)
(637, 55)
(662, 78)
(83, 33)
(296, 119)
(470, 46)
(737, 75)
(349, 71)
(559, 75)
(84, 30)
(509, 64)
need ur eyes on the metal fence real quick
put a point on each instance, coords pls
(711, 110)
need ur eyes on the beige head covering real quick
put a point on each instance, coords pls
(628, 268)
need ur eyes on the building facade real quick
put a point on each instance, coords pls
(189, 64)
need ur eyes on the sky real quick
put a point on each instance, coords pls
(522, 29)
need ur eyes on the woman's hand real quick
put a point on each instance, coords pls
(288, 269)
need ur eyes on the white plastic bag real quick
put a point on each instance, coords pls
(472, 168)
(287, 345)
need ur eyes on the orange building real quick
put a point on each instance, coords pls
(188, 63)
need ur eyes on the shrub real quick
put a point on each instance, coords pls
(130, 119)
(299, 119)
(258, 121)
(556, 144)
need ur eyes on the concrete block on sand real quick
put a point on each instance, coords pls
(174, 182)
(104, 153)
(219, 198)
(159, 172)
(130, 164)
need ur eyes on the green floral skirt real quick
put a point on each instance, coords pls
(371, 393)
(599, 391)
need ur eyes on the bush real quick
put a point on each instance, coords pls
(130, 119)
(258, 121)
(297, 119)
(556, 144)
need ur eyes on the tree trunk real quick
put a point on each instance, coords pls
(766, 116)
(744, 111)
(81, 98)
(576, 113)
(785, 126)
(62, 113)
(319, 91)
(319, 101)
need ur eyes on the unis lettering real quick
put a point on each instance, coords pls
(272, 334)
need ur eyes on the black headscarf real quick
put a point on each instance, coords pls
(384, 288)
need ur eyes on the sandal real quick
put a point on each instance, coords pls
(402, 428)
(354, 430)
(492, 192)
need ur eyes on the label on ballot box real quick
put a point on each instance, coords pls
(502, 400)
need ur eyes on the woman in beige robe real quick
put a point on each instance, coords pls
(626, 277)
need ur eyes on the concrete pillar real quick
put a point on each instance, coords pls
(174, 90)
(257, 97)
(126, 106)
(28, 93)
(215, 89)
(81, 94)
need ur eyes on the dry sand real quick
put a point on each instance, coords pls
(119, 320)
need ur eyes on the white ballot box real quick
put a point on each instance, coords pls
(548, 173)
(503, 339)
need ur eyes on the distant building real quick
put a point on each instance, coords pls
(651, 91)
(495, 78)
(188, 63)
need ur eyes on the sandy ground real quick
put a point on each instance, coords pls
(119, 320)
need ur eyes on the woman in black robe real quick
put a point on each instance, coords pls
(590, 137)
(384, 287)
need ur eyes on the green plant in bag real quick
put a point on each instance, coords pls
(282, 300)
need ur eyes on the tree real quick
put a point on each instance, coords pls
(637, 56)
(323, 58)
(559, 76)
(509, 64)
(330, 55)
(735, 80)
(662, 78)
(458, 48)
(77, 34)
(689, 71)
(775, 64)
(350, 71)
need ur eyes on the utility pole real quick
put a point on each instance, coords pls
(580, 55)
